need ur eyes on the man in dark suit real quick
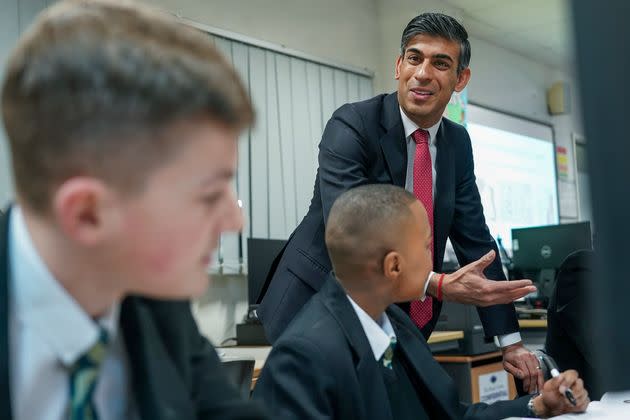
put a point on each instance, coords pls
(351, 353)
(402, 139)
(567, 340)
(123, 128)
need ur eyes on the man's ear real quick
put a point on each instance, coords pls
(397, 68)
(82, 207)
(462, 79)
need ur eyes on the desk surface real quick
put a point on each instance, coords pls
(442, 336)
(532, 323)
(467, 359)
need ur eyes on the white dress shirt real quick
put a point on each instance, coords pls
(379, 334)
(49, 331)
(409, 127)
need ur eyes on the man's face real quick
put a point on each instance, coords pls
(416, 252)
(169, 231)
(427, 76)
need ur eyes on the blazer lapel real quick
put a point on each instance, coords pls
(393, 141)
(444, 194)
(372, 387)
(435, 379)
(5, 391)
(159, 390)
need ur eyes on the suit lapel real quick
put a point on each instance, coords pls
(372, 388)
(427, 370)
(444, 193)
(393, 141)
(159, 390)
(5, 391)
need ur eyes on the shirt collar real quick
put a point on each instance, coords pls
(411, 126)
(43, 305)
(379, 334)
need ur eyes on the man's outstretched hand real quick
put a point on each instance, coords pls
(469, 285)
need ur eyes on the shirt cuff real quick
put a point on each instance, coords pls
(508, 339)
(426, 286)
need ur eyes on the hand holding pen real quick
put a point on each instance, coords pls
(557, 393)
(554, 371)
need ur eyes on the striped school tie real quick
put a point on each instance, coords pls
(83, 379)
(388, 356)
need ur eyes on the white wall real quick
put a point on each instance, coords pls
(342, 31)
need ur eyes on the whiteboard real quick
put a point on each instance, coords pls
(515, 170)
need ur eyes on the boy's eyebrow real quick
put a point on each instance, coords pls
(223, 175)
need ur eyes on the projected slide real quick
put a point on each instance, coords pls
(516, 179)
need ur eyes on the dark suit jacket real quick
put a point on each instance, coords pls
(175, 372)
(322, 367)
(364, 143)
(567, 332)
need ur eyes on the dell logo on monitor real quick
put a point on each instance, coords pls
(545, 251)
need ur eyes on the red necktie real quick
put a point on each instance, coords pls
(421, 312)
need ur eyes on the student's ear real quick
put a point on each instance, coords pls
(392, 265)
(82, 207)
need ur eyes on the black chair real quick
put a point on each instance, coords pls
(239, 372)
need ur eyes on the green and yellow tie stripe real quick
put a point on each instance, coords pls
(83, 379)
(389, 353)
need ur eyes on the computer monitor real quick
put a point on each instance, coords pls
(261, 253)
(538, 252)
(545, 247)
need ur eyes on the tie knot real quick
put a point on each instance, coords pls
(420, 136)
(95, 354)
(388, 356)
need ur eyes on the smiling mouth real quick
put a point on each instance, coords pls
(421, 93)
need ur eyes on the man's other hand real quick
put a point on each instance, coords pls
(524, 365)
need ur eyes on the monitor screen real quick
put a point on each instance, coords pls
(260, 255)
(545, 247)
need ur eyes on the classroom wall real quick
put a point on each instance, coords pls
(342, 31)
(15, 16)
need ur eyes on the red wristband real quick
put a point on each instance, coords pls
(439, 289)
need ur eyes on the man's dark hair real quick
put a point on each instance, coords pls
(94, 87)
(444, 26)
(365, 222)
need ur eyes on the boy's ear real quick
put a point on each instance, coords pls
(392, 265)
(83, 209)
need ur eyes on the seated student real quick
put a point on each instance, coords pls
(123, 127)
(567, 339)
(351, 354)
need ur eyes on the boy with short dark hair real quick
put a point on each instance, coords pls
(123, 127)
